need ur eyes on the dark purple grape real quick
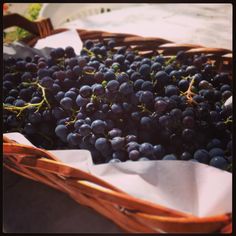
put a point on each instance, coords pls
(73, 139)
(113, 85)
(188, 135)
(162, 77)
(219, 162)
(146, 149)
(35, 118)
(186, 156)
(62, 131)
(188, 122)
(134, 155)
(159, 151)
(146, 122)
(101, 144)
(85, 130)
(160, 106)
(122, 77)
(9, 100)
(98, 126)
(169, 157)
(202, 156)
(146, 97)
(114, 133)
(117, 143)
(66, 103)
(131, 138)
(108, 76)
(85, 91)
(183, 85)
(171, 90)
(80, 101)
(126, 88)
(116, 108)
(216, 152)
(29, 129)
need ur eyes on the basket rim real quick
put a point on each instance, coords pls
(186, 217)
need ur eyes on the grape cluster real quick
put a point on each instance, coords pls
(121, 106)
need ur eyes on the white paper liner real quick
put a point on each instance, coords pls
(186, 186)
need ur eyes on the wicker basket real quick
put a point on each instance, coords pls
(130, 213)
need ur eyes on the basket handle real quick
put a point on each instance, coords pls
(40, 28)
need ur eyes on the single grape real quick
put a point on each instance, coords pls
(216, 152)
(134, 155)
(186, 156)
(62, 131)
(29, 129)
(98, 89)
(159, 151)
(47, 82)
(146, 97)
(116, 108)
(169, 157)
(73, 139)
(98, 126)
(147, 86)
(113, 85)
(171, 90)
(66, 103)
(146, 149)
(218, 162)
(101, 144)
(80, 101)
(115, 132)
(131, 138)
(161, 106)
(126, 88)
(117, 143)
(71, 94)
(85, 91)
(202, 156)
(144, 70)
(85, 130)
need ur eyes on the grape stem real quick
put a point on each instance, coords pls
(38, 105)
(189, 94)
(170, 60)
(144, 109)
(67, 123)
(229, 120)
(88, 51)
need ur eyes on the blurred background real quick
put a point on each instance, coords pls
(204, 24)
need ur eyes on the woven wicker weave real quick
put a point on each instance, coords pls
(130, 213)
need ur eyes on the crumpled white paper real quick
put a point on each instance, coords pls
(64, 39)
(186, 186)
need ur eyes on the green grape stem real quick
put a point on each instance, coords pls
(229, 120)
(144, 109)
(38, 105)
(170, 60)
(89, 52)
